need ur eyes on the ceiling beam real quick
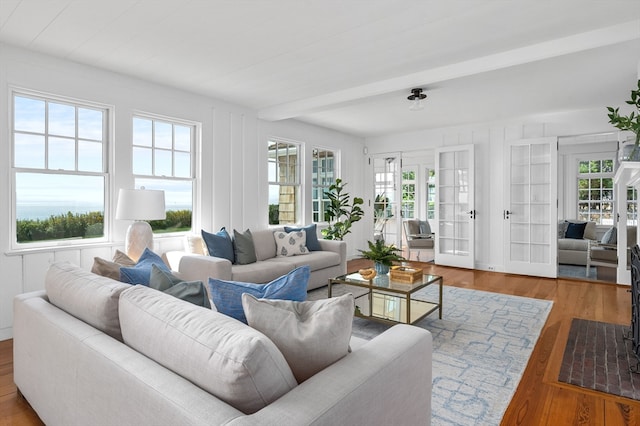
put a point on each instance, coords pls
(550, 49)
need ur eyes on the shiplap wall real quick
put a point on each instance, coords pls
(490, 141)
(232, 160)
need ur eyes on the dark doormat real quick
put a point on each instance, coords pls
(598, 357)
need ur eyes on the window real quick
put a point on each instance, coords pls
(595, 191)
(322, 177)
(632, 209)
(284, 182)
(163, 160)
(409, 194)
(431, 194)
(59, 168)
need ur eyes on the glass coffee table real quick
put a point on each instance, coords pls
(390, 301)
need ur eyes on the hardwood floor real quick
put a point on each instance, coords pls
(539, 400)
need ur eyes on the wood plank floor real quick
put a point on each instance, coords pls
(539, 400)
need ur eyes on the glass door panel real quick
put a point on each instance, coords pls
(455, 209)
(532, 209)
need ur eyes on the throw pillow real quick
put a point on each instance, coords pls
(575, 230)
(122, 259)
(189, 291)
(243, 248)
(312, 236)
(310, 335)
(106, 268)
(110, 269)
(141, 272)
(219, 244)
(562, 228)
(424, 227)
(290, 243)
(227, 295)
(611, 236)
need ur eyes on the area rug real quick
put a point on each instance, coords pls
(575, 271)
(481, 347)
(598, 357)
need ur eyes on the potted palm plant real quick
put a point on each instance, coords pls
(383, 255)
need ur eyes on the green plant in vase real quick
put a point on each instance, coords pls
(383, 255)
(341, 212)
(629, 122)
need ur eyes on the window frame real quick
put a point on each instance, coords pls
(196, 136)
(323, 202)
(105, 173)
(298, 183)
(589, 176)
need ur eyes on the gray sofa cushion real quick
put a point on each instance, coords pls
(261, 271)
(226, 358)
(85, 295)
(573, 244)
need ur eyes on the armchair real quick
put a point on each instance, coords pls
(418, 235)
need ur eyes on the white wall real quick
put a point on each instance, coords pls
(490, 140)
(232, 159)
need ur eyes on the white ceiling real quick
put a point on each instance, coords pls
(350, 64)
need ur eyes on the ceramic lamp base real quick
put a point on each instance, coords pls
(139, 236)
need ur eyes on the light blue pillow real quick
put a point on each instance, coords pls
(141, 272)
(312, 237)
(219, 244)
(227, 295)
(611, 236)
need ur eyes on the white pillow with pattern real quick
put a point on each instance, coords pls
(291, 243)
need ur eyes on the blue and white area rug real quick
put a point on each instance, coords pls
(481, 347)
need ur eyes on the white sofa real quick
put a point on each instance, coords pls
(71, 365)
(192, 264)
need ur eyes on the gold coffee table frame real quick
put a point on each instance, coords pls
(386, 297)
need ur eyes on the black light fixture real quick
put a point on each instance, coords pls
(416, 97)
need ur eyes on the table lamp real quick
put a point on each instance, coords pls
(140, 205)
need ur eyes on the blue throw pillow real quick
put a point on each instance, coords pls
(227, 295)
(575, 230)
(141, 272)
(312, 237)
(219, 244)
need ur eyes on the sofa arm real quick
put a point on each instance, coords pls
(357, 389)
(195, 267)
(335, 246)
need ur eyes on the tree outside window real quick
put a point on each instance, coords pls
(595, 191)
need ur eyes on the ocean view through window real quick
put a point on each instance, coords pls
(163, 160)
(59, 169)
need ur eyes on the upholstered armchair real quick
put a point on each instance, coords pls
(418, 235)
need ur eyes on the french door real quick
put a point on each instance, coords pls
(531, 215)
(387, 191)
(455, 212)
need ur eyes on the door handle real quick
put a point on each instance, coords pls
(472, 214)
(506, 213)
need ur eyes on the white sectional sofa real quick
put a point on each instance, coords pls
(76, 363)
(325, 264)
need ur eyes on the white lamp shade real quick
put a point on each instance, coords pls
(140, 204)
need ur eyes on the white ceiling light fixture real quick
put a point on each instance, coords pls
(416, 97)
